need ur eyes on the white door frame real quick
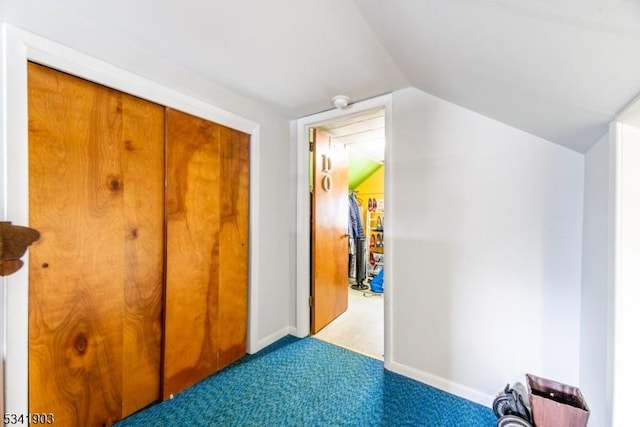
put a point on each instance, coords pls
(303, 214)
(18, 47)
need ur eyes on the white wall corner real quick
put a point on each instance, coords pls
(596, 297)
(614, 135)
(270, 339)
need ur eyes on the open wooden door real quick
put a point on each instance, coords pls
(329, 231)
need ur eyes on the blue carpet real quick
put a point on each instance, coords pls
(307, 382)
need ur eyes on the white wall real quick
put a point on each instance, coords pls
(52, 21)
(627, 274)
(595, 345)
(486, 250)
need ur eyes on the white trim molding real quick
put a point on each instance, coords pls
(303, 212)
(19, 47)
(272, 338)
(441, 383)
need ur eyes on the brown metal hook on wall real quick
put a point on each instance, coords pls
(14, 241)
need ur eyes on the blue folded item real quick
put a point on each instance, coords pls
(377, 283)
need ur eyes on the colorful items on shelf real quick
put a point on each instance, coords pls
(376, 240)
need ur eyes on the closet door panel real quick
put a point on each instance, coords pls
(193, 239)
(143, 179)
(76, 269)
(96, 191)
(234, 238)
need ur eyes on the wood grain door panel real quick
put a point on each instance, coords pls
(234, 251)
(143, 180)
(76, 269)
(207, 237)
(193, 226)
(95, 278)
(329, 240)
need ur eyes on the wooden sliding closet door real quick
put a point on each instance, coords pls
(207, 249)
(233, 270)
(143, 172)
(96, 162)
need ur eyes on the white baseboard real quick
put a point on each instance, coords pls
(294, 331)
(415, 374)
(270, 339)
(441, 383)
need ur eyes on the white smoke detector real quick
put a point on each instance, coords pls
(340, 101)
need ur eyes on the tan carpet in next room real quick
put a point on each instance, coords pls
(361, 327)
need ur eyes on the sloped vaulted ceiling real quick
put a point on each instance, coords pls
(559, 69)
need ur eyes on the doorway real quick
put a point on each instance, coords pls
(361, 130)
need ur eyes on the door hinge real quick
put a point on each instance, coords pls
(312, 139)
(311, 301)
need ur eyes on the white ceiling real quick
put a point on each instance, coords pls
(361, 132)
(559, 69)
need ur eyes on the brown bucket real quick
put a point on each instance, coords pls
(556, 405)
